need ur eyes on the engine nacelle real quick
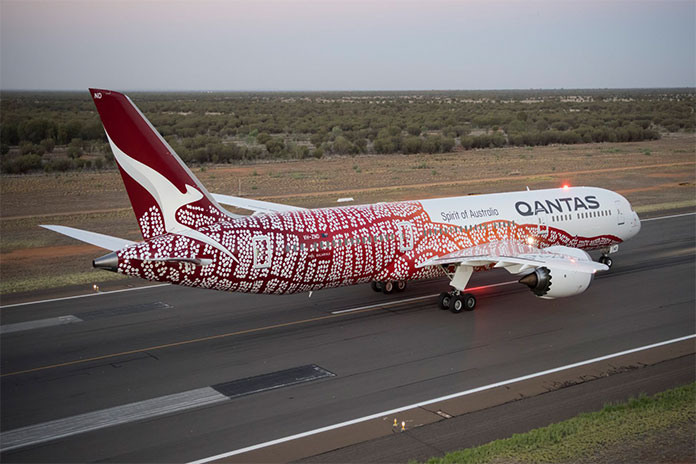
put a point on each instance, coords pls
(548, 282)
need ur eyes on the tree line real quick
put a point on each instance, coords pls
(61, 130)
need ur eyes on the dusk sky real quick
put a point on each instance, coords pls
(346, 45)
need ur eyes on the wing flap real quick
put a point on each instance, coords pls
(518, 257)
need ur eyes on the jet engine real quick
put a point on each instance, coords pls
(549, 282)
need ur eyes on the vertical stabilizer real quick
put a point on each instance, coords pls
(164, 193)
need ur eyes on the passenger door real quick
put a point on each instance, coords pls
(405, 236)
(619, 213)
(542, 225)
(261, 247)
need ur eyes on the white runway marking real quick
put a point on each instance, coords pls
(386, 303)
(436, 400)
(83, 296)
(39, 324)
(61, 428)
(406, 300)
(667, 217)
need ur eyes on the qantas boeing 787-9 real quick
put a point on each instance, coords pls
(190, 240)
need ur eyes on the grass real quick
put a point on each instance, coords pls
(664, 206)
(611, 150)
(539, 179)
(584, 436)
(298, 175)
(8, 286)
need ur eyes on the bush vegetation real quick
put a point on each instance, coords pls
(230, 127)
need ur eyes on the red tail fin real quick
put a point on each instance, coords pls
(164, 193)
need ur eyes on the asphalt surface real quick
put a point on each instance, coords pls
(137, 346)
(483, 426)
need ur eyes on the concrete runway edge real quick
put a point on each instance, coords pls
(357, 441)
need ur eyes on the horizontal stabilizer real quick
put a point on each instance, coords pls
(257, 206)
(102, 241)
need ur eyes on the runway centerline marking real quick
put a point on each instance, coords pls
(145, 287)
(437, 400)
(201, 339)
(667, 217)
(39, 324)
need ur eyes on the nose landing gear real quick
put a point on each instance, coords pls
(604, 259)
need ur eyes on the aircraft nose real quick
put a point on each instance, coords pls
(636, 224)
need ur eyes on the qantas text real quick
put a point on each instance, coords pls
(560, 205)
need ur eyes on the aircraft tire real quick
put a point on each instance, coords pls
(469, 301)
(444, 300)
(456, 304)
(376, 286)
(606, 260)
(388, 287)
(400, 285)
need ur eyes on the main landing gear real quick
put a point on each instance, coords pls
(456, 301)
(389, 286)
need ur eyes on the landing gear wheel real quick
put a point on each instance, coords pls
(606, 260)
(469, 302)
(444, 300)
(464, 302)
(400, 285)
(388, 287)
(376, 286)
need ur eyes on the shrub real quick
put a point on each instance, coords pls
(58, 164)
(275, 145)
(21, 164)
(446, 144)
(431, 144)
(262, 138)
(412, 145)
(413, 130)
(342, 146)
(48, 145)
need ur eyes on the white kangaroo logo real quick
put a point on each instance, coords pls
(167, 195)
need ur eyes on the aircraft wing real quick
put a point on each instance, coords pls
(518, 257)
(102, 241)
(257, 206)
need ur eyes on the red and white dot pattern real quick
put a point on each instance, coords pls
(305, 250)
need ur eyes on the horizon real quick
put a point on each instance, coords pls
(548, 89)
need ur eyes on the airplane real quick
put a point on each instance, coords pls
(190, 240)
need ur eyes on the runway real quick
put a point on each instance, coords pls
(198, 373)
